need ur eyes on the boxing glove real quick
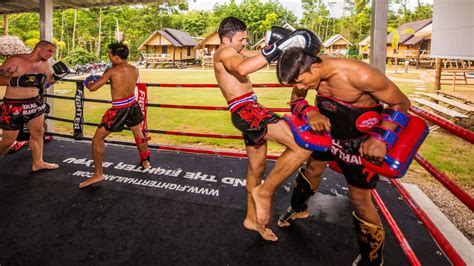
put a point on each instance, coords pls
(90, 78)
(302, 38)
(275, 34)
(60, 70)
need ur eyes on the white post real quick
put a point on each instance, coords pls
(378, 34)
(46, 33)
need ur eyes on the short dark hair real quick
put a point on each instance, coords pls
(229, 26)
(44, 43)
(294, 62)
(119, 48)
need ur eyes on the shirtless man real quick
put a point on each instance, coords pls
(125, 109)
(349, 96)
(232, 65)
(25, 76)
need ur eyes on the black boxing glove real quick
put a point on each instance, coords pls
(302, 38)
(275, 34)
(60, 70)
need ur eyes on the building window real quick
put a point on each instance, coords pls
(164, 49)
(189, 51)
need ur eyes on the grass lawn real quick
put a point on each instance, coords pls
(448, 153)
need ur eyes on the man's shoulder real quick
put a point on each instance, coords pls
(16, 58)
(225, 52)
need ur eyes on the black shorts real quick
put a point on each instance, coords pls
(115, 119)
(346, 154)
(252, 119)
(16, 112)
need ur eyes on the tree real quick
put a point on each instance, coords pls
(254, 14)
(395, 43)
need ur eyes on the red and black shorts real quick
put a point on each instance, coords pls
(17, 112)
(346, 154)
(251, 118)
(123, 112)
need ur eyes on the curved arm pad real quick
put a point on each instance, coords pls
(305, 137)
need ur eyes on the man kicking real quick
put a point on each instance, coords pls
(125, 109)
(349, 96)
(232, 65)
(25, 77)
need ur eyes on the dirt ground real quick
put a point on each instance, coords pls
(460, 215)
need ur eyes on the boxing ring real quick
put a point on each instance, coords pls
(189, 207)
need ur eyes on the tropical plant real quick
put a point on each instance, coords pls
(80, 56)
(395, 43)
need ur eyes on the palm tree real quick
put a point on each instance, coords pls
(395, 39)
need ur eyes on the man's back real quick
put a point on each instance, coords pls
(123, 80)
(351, 81)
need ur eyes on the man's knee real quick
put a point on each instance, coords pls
(36, 133)
(97, 140)
(6, 143)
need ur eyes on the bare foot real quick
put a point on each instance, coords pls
(262, 206)
(44, 166)
(265, 233)
(146, 164)
(293, 216)
(90, 181)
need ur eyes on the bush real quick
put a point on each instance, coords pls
(359, 57)
(80, 56)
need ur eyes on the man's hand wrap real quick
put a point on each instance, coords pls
(301, 107)
(402, 143)
(60, 70)
(302, 38)
(305, 137)
(28, 80)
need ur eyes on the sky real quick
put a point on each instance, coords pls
(295, 5)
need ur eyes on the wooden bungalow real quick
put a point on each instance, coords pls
(337, 45)
(208, 44)
(412, 47)
(206, 47)
(168, 46)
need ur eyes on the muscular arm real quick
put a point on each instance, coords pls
(297, 94)
(102, 81)
(237, 65)
(247, 54)
(49, 73)
(380, 87)
(7, 70)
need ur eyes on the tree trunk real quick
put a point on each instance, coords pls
(97, 52)
(396, 63)
(74, 30)
(5, 25)
(61, 38)
(439, 63)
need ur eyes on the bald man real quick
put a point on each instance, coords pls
(25, 76)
